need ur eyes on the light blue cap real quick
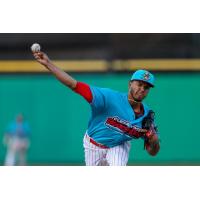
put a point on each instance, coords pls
(143, 75)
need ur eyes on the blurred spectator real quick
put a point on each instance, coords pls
(16, 140)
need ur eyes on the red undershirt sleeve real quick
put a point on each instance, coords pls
(84, 90)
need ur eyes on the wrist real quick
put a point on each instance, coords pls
(149, 134)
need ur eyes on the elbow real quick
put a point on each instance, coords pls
(71, 85)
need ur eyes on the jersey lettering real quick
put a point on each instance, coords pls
(124, 127)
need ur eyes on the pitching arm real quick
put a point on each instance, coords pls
(62, 76)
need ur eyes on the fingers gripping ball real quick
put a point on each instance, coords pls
(35, 47)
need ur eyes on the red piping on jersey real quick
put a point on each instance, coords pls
(95, 143)
(84, 90)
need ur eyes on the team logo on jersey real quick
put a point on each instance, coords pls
(122, 126)
(146, 76)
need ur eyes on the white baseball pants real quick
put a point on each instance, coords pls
(97, 156)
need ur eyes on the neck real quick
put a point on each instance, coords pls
(133, 102)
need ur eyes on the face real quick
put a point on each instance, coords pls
(19, 118)
(138, 90)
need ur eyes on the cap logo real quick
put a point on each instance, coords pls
(146, 76)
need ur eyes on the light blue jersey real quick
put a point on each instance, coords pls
(21, 130)
(112, 117)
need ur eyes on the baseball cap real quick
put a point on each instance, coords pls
(143, 75)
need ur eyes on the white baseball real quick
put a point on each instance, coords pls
(35, 47)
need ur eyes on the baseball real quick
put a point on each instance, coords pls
(35, 47)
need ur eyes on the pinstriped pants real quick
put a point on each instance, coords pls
(96, 156)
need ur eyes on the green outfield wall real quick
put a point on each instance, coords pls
(58, 117)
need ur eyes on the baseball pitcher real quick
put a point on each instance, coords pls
(116, 118)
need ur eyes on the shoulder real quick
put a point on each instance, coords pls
(105, 91)
(101, 88)
(102, 97)
(146, 109)
(26, 125)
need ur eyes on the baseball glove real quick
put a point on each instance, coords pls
(149, 124)
(148, 121)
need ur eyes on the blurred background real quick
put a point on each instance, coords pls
(57, 118)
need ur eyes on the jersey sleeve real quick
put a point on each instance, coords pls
(84, 90)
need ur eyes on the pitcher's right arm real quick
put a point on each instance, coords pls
(62, 76)
(81, 88)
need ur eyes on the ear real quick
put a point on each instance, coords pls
(129, 84)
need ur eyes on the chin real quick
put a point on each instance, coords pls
(138, 100)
